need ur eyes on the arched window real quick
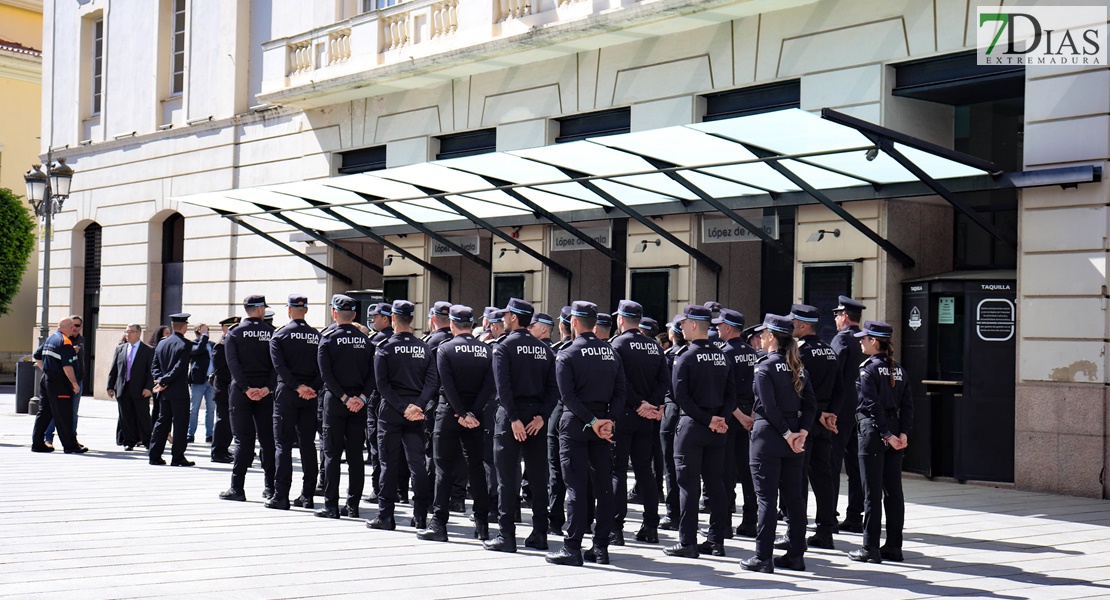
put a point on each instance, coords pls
(90, 296)
(173, 258)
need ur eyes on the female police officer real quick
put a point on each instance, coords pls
(783, 410)
(885, 416)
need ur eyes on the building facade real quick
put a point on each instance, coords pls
(20, 103)
(168, 109)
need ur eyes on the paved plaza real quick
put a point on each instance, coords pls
(108, 525)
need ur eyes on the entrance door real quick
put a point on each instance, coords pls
(652, 289)
(395, 288)
(506, 287)
(822, 287)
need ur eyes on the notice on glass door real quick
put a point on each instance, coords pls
(946, 310)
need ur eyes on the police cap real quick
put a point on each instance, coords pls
(732, 318)
(604, 320)
(582, 308)
(440, 309)
(297, 301)
(696, 312)
(564, 315)
(630, 309)
(255, 300)
(230, 321)
(495, 315)
(649, 325)
(544, 318)
(341, 302)
(805, 313)
(180, 317)
(847, 303)
(875, 329)
(749, 332)
(461, 314)
(403, 308)
(520, 307)
(778, 323)
(713, 306)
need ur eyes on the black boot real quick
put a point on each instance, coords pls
(821, 541)
(865, 554)
(892, 554)
(746, 528)
(759, 565)
(303, 501)
(597, 555)
(436, 532)
(782, 542)
(278, 503)
(501, 544)
(481, 530)
(564, 556)
(349, 511)
(717, 549)
(647, 535)
(380, 523)
(793, 563)
(536, 540)
(690, 551)
(234, 495)
(328, 513)
(616, 537)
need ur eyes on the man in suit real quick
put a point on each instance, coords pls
(130, 383)
(170, 371)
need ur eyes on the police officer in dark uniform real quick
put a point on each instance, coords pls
(380, 319)
(668, 425)
(541, 327)
(646, 382)
(650, 327)
(60, 385)
(294, 350)
(170, 368)
(845, 443)
(557, 489)
(742, 358)
(784, 411)
(344, 362)
(465, 368)
(592, 390)
(221, 383)
(321, 484)
(826, 379)
(604, 328)
(405, 373)
(524, 373)
(439, 331)
(251, 396)
(705, 389)
(885, 417)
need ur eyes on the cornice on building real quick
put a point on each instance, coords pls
(34, 5)
(20, 66)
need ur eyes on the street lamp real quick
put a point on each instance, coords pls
(46, 192)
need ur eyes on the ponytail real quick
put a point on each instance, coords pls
(888, 349)
(789, 348)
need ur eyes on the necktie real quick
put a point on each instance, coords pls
(130, 355)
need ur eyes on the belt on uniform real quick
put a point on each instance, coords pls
(793, 414)
(893, 413)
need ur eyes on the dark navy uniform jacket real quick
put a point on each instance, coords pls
(344, 359)
(890, 407)
(591, 379)
(294, 350)
(171, 365)
(56, 354)
(645, 369)
(221, 375)
(405, 371)
(465, 368)
(670, 354)
(848, 352)
(437, 337)
(775, 398)
(824, 373)
(703, 382)
(743, 358)
(248, 354)
(524, 371)
(381, 336)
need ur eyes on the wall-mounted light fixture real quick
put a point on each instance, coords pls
(820, 234)
(389, 259)
(645, 243)
(507, 250)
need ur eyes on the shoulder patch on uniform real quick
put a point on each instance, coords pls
(801, 343)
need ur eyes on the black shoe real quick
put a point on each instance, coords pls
(371, 498)
(746, 530)
(481, 530)
(616, 537)
(233, 494)
(207, 439)
(319, 491)
(850, 526)
(792, 563)
(303, 501)
(129, 447)
(755, 564)
(711, 548)
(419, 522)
(328, 513)
(349, 511)
(42, 448)
(596, 555)
(865, 554)
(782, 542)
(223, 458)
(891, 554)
(536, 540)
(268, 493)
(380, 523)
(78, 450)
(182, 462)
(570, 558)
(668, 524)
(278, 503)
(153, 461)
(458, 506)
(690, 551)
(647, 535)
(500, 544)
(435, 532)
(821, 541)
(191, 440)
(726, 535)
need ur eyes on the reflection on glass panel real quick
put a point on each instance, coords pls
(366, 218)
(791, 131)
(757, 175)
(588, 157)
(936, 166)
(507, 167)
(574, 190)
(680, 146)
(630, 195)
(660, 183)
(555, 203)
(717, 187)
(379, 187)
(820, 178)
(883, 169)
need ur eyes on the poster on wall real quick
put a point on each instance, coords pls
(994, 319)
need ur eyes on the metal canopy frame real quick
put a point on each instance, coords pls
(319, 265)
(782, 158)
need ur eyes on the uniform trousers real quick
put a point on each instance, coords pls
(294, 426)
(584, 457)
(634, 440)
(396, 436)
(507, 453)
(489, 428)
(134, 416)
(667, 439)
(58, 405)
(343, 432)
(449, 442)
(557, 489)
(321, 482)
(881, 471)
(741, 453)
(699, 454)
(251, 419)
(221, 431)
(776, 467)
(846, 453)
(822, 478)
(172, 413)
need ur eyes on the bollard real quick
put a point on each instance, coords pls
(33, 405)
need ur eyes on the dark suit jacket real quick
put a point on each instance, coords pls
(140, 369)
(199, 359)
(171, 365)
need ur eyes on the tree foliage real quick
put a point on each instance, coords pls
(17, 241)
